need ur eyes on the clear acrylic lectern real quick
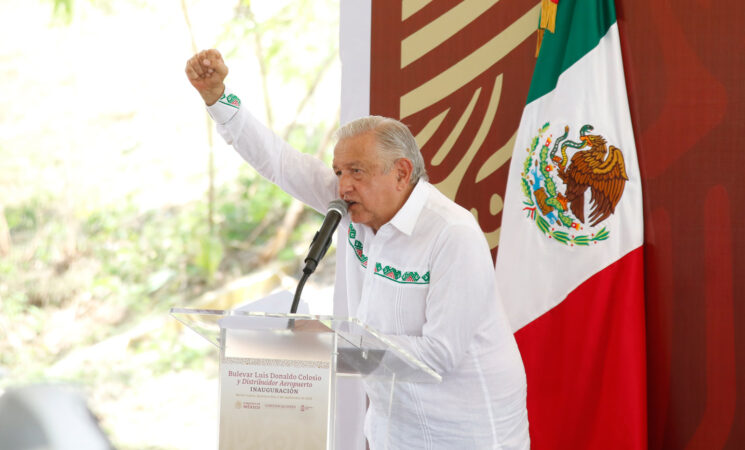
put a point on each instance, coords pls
(278, 373)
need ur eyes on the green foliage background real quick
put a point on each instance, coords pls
(82, 273)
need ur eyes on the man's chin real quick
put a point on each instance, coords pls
(355, 213)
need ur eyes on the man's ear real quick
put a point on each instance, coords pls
(404, 168)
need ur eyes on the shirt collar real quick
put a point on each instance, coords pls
(407, 216)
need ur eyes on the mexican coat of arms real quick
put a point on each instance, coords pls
(555, 185)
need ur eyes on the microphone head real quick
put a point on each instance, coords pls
(339, 206)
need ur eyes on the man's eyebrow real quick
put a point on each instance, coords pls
(356, 162)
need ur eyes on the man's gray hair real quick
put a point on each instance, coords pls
(394, 141)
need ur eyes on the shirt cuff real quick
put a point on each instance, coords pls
(224, 109)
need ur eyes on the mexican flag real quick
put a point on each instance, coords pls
(570, 262)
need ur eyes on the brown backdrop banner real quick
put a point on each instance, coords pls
(457, 73)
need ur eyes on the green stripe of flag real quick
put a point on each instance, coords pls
(579, 27)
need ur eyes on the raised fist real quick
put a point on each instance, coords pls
(206, 72)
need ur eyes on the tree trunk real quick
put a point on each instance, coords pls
(4, 234)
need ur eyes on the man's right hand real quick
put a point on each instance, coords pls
(206, 72)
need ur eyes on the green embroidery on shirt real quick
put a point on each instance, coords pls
(394, 274)
(356, 246)
(387, 272)
(230, 100)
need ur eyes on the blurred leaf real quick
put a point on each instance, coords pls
(208, 256)
(159, 279)
(63, 10)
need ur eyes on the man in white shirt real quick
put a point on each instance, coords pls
(411, 263)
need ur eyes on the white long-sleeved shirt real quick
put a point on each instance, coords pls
(426, 280)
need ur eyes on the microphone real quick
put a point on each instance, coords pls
(318, 247)
(322, 240)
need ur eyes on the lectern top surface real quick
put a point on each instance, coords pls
(359, 349)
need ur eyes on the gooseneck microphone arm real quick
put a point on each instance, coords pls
(298, 290)
(320, 244)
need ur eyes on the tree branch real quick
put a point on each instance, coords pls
(210, 140)
(259, 51)
(311, 91)
(292, 216)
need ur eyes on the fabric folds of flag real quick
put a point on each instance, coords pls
(570, 262)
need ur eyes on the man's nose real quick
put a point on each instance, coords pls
(345, 185)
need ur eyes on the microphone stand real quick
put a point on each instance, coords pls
(296, 299)
(298, 290)
(318, 247)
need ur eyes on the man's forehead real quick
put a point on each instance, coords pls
(354, 152)
(354, 162)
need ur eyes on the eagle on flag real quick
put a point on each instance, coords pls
(599, 168)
